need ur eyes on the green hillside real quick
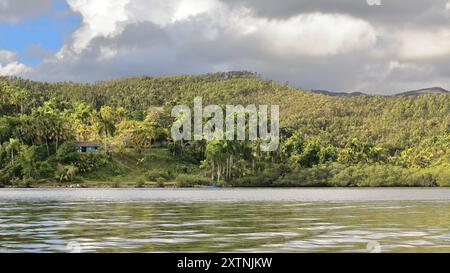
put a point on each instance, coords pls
(326, 140)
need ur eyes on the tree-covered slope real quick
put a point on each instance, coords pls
(403, 131)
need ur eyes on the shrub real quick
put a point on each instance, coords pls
(140, 183)
(155, 175)
(160, 183)
(188, 180)
(66, 173)
(264, 179)
(8, 174)
(423, 180)
(67, 153)
(318, 176)
(382, 175)
(45, 170)
(91, 162)
(442, 175)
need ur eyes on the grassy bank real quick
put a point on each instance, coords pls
(150, 168)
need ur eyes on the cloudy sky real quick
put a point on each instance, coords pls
(345, 45)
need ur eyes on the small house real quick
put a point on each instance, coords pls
(88, 147)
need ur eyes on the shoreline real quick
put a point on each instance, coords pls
(131, 186)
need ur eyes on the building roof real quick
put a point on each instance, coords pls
(87, 144)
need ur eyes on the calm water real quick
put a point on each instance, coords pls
(235, 220)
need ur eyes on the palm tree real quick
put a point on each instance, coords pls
(106, 125)
(71, 172)
(12, 147)
(216, 156)
(28, 162)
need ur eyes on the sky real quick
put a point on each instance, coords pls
(342, 46)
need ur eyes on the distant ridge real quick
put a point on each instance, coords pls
(338, 94)
(432, 90)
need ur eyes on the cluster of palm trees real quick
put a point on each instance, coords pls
(49, 125)
(227, 160)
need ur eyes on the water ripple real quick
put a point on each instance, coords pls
(147, 226)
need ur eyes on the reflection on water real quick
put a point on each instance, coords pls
(283, 226)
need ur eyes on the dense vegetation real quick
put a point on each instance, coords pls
(326, 140)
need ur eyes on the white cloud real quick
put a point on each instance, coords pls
(424, 44)
(100, 18)
(168, 12)
(13, 69)
(9, 66)
(7, 56)
(313, 34)
(186, 8)
(105, 18)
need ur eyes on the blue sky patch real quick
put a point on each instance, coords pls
(47, 31)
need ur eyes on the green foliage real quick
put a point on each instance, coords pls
(383, 176)
(68, 153)
(159, 175)
(317, 176)
(65, 173)
(266, 178)
(92, 162)
(189, 180)
(325, 140)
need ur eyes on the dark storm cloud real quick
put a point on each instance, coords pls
(389, 12)
(136, 35)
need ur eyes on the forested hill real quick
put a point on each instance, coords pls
(388, 121)
(412, 131)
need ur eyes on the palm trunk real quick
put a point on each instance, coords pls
(218, 173)
(46, 145)
(226, 168)
(231, 166)
(106, 141)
